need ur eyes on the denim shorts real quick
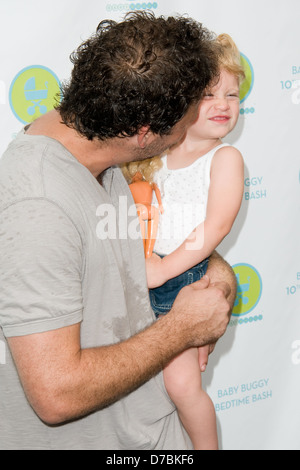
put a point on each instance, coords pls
(163, 297)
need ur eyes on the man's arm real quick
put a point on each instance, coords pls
(63, 382)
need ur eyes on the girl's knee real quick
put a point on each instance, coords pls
(183, 378)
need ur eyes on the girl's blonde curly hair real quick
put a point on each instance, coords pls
(230, 60)
(230, 57)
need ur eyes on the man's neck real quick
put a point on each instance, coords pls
(95, 155)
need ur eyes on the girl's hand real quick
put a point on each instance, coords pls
(155, 272)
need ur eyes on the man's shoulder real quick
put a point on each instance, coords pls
(35, 167)
(20, 172)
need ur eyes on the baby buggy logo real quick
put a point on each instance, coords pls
(131, 6)
(249, 289)
(247, 84)
(33, 92)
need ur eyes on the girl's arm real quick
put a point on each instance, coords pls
(224, 201)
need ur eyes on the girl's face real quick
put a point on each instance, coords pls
(219, 109)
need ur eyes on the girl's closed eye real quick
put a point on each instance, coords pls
(208, 95)
(234, 93)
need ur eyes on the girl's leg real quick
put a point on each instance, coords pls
(219, 270)
(196, 410)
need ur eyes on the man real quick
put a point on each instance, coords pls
(83, 354)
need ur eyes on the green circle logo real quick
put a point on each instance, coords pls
(33, 92)
(247, 84)
(249, 289)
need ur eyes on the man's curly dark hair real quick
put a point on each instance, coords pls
(144, 71)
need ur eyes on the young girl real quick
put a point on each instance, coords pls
(201, 184)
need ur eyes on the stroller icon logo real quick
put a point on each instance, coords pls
(247, 84)
(249, 289)
(33, 92)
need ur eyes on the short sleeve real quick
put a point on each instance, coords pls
(40, 268)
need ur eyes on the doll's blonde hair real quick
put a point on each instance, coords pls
(147, 168)
(230, 60)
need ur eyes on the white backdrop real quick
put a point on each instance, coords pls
(254, 374)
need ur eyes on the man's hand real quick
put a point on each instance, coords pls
(203, 310)
(203, 354)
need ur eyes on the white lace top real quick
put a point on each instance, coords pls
(184, 196)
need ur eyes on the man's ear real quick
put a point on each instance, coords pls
(143, 136)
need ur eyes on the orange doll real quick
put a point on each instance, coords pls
(139, 177)
(142, 192)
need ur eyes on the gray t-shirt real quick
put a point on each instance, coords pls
(63, 261)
